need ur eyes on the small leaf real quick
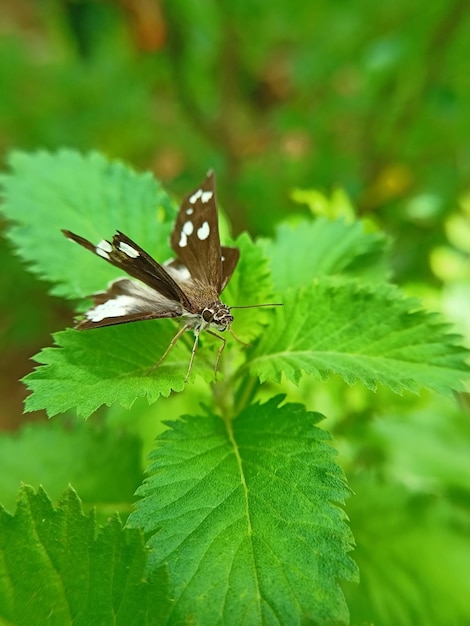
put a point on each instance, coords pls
(245, 516)
(363, 334)
(56, 569)
(301, 253)
(91, 196)
(337, 205)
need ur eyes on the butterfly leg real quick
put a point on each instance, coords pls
(247, 345)
(219, 352)
(193, 352)
(172, 343)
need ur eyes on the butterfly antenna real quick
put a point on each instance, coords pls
(255, 306)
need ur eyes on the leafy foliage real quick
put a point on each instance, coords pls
(242, 507)
(340, 248)
(398, 531)
(371, 336)
(362, 108)
(112, 364)
(57, 569)
(88, 195)
(248, 509)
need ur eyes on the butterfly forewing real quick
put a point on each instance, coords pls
(195, 237)
(125, 254)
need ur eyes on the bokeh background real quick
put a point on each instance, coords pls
(284, 99)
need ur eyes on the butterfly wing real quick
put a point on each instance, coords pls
(125, 254)
(196, 242)
(230, 258)
(127, 301)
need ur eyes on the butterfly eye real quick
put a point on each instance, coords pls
(207, 315)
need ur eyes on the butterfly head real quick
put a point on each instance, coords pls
(217, 315)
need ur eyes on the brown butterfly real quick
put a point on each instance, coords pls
(187, 287)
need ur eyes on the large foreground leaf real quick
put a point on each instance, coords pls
(244, 514)
(372, 336)
(56, 569)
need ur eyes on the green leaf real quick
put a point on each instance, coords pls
(338, 204)
(103, 466)
(368, 335)
(413, 554)
(244, 514)
(303, 252)
(250, 284)
(112, 364)
(56, 569)
(86, 194)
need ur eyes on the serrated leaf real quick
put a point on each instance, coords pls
(366, 335)
(310, 249)
(55, 568)
(86, 194)
(103, 466)
(112, 364)
(244, 514)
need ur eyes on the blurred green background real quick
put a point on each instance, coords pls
(281, 98)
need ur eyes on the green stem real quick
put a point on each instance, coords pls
(247, 391)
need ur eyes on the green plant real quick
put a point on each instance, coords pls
(241, 509)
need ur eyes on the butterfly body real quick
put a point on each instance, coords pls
(187, 288)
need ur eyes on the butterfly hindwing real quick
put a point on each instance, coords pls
(127, 301)
(229, 258)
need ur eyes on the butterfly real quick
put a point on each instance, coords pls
(187, 288)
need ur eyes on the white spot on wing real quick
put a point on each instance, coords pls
(103, 248)
(129, 250)
(206, 196)
(204, 231)
(180, 273)
(117, 307)
(188, 228)
(196, 195)
(189, 211)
